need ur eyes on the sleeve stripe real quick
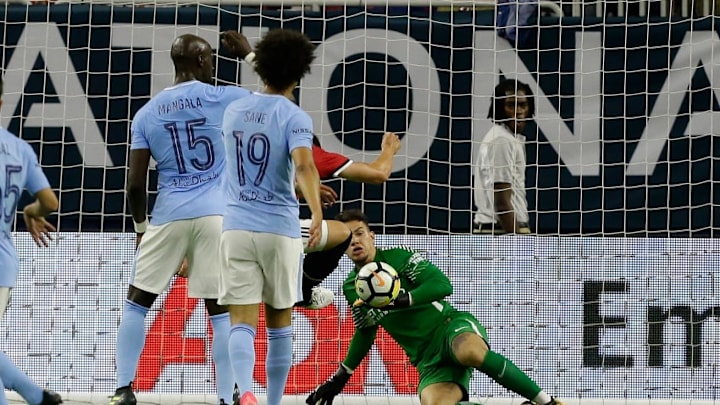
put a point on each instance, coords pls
(339, 170)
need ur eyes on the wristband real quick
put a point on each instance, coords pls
(403, 300)
(342, 374)
(141, 227)
(249, 58)
(345, 368)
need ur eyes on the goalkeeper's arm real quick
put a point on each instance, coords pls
(428, 281)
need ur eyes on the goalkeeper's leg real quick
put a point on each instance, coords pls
(442, 393)
(470, 349)
(468, 346)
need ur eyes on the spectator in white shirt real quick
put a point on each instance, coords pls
(499, 183)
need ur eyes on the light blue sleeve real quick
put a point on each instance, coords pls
(36, 179)
(228, 94)
(138, 140)
(299, 131)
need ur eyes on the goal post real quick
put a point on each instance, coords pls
(614, 300)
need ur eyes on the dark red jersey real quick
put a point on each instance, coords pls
(329, 164)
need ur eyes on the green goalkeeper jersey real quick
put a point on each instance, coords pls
(412, 327)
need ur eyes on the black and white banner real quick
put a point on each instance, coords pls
(585, 317)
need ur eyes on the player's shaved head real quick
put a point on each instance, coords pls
(192, 58)
(186, 48)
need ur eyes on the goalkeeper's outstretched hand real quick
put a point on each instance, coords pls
(327, 391)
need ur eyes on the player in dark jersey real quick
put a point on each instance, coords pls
(319, 264)
(333, 165)
(444, 344)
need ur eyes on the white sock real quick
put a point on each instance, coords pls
(542, 398)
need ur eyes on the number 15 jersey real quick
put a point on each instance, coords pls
(182, 127)
(261, 131)
(19, 170)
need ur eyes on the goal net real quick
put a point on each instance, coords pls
(614, 300)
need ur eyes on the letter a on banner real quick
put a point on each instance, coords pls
(43, 41)
(328, 341)
(165, 343)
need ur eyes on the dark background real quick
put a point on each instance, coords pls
(434, 195)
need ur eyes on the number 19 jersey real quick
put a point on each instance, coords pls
(182, 128)
(261, 131)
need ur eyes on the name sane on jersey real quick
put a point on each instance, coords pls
(252, 195)
(179, 104)
(255, 117)
(258, 117)
(189, 181)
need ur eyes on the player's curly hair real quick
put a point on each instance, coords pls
(283, 57)
(496, 112)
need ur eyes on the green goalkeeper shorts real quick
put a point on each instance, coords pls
(438, 363)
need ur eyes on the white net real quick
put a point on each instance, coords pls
(623, 145)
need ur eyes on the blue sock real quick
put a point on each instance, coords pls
(130, 342)
(223, 370)
(3, 398)
(241, 346)
(278, 362)
(14, 379)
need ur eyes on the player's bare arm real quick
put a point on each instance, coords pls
(136, 189)
(328, 195)
(378, 171)
(308, 180)
(504, 207)
(34, 214)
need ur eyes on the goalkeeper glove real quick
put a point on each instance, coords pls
(327, 391)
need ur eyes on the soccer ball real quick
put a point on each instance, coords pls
(377, 283)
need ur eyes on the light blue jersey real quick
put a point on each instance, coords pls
(19, 170)
(182, 127)
(260, 132)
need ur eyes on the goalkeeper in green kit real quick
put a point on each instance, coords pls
(444, 344)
